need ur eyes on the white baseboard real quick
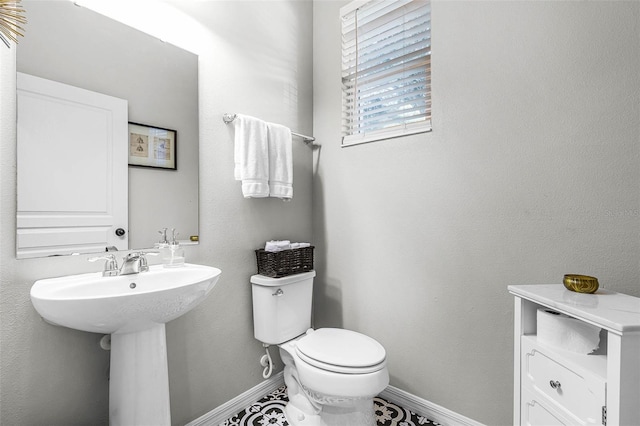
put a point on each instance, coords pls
(426, 408)
(404, 399)
(239, 403)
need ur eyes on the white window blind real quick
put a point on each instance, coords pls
(386, 69)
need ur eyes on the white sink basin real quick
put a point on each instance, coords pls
(122, 304)
(134, 310)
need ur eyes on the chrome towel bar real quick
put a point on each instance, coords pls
(228, 118)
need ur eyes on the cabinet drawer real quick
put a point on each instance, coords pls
(535, 413)
(576, 393)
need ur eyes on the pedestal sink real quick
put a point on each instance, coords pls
(134, 310)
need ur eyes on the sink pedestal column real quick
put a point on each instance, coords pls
(139, 379)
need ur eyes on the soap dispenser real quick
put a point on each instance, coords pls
(174, 255)
(163, 243)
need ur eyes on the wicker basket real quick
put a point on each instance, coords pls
(287, 262)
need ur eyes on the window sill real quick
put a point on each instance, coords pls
(352, 140)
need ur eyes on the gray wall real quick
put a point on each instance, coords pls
(257, 62)
(532, 171)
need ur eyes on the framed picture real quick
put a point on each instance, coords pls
(151, 146)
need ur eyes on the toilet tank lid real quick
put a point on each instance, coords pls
(275, 282)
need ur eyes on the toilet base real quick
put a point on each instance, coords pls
(307, 408)
(361, 413)
(297, 417)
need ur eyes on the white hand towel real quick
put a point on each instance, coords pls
(300, 245)
(251, 156)
(280, 162)
(273, 246)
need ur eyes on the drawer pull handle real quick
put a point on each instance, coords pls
(554, 384)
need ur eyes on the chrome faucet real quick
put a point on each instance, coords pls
(135, 262)
(110, 266)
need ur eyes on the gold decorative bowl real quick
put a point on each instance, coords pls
(580, 283)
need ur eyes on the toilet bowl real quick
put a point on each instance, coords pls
(331, 374)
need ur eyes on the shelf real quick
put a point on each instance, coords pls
(595, 364)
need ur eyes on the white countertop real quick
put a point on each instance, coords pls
(607, 309)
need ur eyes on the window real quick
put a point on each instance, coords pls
(386, 69)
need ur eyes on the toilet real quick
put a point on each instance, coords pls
(331, 374)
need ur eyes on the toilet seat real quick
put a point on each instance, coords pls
(341, 351)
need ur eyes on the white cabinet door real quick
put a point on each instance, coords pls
(72, 169)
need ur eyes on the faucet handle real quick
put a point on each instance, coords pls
(110, 264)
(144, 266)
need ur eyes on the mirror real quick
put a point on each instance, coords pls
(78, 47)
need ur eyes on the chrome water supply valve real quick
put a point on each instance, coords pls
(266, 362)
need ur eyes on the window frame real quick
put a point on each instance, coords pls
(401, 127)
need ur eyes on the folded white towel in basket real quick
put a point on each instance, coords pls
(251, 156)
(274, 246)
(299, 245)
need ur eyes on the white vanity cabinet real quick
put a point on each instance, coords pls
(554, 386)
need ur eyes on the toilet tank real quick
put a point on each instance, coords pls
(281, 306)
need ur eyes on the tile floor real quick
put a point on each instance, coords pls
(270, 411)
